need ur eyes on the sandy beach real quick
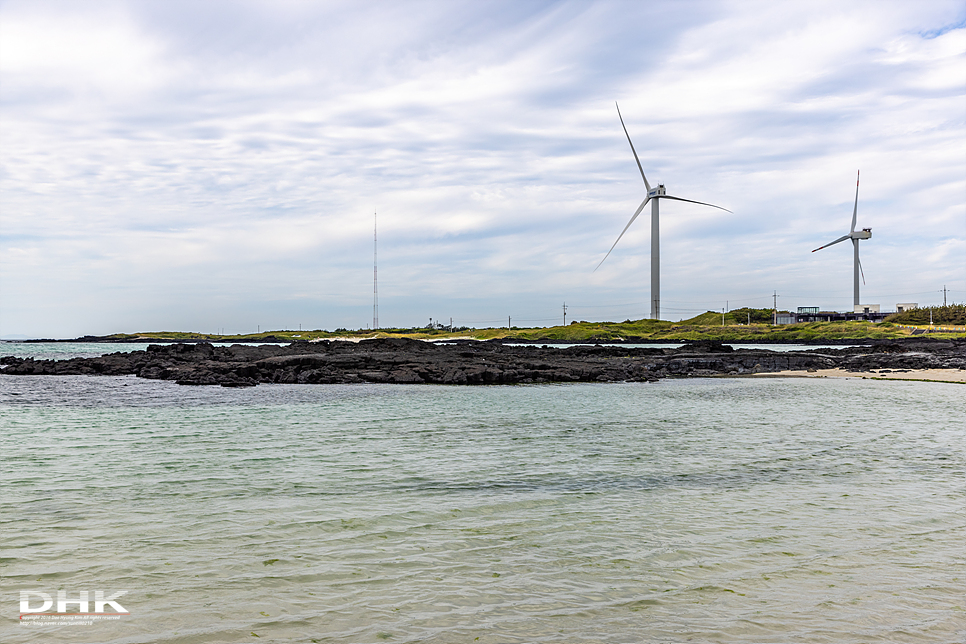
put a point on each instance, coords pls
(935, 375)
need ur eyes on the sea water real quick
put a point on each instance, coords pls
(724, 510)
(778, 347)
(66, 350)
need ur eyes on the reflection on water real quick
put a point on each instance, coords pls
(782, 348)
(711, 510)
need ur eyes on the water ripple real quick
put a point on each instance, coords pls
(711, 510)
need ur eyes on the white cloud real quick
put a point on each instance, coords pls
(198, 164)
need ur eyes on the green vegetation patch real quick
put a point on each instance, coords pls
(953, 314)
(707, 326)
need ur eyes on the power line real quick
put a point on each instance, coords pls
(882, 296)
(609, 306)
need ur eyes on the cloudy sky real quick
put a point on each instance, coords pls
(215, 166)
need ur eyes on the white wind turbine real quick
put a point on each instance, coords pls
(654, 195)
(865, 233)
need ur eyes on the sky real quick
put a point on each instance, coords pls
(218, 166)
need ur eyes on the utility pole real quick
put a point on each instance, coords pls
(749, 318)
(722, 317)
(508, 327)
(944, 295)
(565, 313)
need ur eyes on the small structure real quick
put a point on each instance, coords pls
(786, 318)
(858, 313)
(905, 306)
(807, 310)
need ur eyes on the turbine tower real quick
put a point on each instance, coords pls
(654, 195)
(375, 277)
(865, 233)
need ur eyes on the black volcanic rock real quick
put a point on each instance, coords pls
(401, 360)
(706, 346)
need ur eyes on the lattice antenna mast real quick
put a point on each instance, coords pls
(375, 274)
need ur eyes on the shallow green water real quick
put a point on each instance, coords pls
(786, 510)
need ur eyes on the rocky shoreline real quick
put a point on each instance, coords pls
(399, 360)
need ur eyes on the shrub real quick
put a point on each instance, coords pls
(950, 314)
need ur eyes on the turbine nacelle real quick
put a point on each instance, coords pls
(865, 233)
(660, 191)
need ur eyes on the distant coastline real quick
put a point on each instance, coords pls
(146, 339)
(745, 326)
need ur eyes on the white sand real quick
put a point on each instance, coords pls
(942, 375)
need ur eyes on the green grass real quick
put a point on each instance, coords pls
(706, 326)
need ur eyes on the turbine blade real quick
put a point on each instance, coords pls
(636, 213)
(693, 201)
(840, 239)
(646, 184)
(861, 272)
(855, 209)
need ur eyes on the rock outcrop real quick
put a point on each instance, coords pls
(399, 360)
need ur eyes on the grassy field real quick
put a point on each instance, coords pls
(706, 326)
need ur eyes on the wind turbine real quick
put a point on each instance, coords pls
(654, 195)
(865, 233)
